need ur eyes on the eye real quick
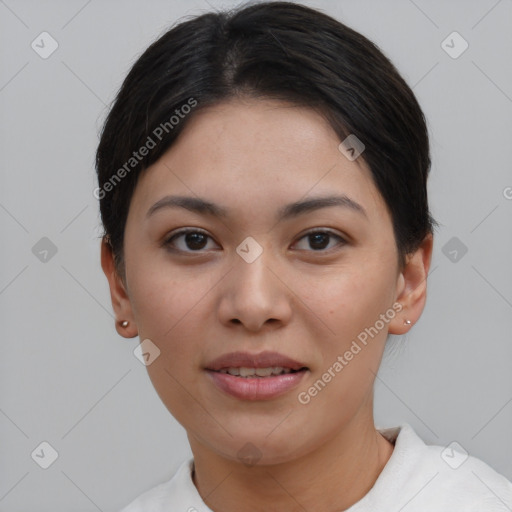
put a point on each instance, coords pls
(318, 240)
(192, 240)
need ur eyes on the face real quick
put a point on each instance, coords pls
(259, 276)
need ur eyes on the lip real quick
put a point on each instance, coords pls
(255, 388)
(261, 360)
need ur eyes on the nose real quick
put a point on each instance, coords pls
(254, 295)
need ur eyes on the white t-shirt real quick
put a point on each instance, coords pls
(416, 478)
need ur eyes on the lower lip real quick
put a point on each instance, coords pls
(256, 388)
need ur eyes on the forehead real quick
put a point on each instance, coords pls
(268, 151)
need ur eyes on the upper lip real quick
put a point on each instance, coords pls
(247, 360)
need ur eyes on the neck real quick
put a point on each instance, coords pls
(330, 478)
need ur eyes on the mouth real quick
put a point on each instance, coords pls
(270, 371)
(262, 376)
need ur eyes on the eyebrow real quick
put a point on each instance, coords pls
(204, 207)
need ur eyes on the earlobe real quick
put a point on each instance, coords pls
(125, 323)
(412, 287)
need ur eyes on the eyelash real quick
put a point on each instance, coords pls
(169, 241)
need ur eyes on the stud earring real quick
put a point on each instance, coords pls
(124, 323)
(407, 322)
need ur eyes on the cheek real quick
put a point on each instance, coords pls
(173, 311)
(350, 299)
(351, 303)
(164, 299)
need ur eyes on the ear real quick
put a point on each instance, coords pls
(120, 300)
(411, 290)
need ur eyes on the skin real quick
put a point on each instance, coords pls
(253, 157)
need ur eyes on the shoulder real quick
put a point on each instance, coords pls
(447, 477)
(466, 480)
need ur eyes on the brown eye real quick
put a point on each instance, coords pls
(320, 240)
(188, 240)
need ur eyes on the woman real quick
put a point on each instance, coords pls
(262, 184)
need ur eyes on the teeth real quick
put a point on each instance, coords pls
(246, 372)
(256, 372)
(264, 372)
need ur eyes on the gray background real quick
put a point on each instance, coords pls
(66, 376)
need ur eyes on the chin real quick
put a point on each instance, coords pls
(259, 447)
